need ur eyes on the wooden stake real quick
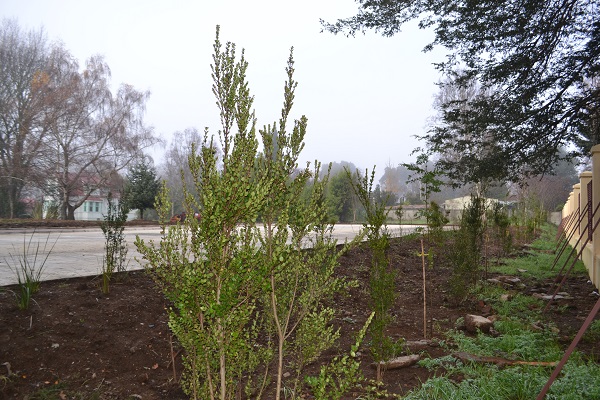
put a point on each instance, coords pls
(424, 291)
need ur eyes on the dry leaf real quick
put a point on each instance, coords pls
(155, 366)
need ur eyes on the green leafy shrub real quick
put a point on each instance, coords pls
(465, 254)
(382, 277)
(247, 298)
(500, 219)
(115, 247)
(342, 374)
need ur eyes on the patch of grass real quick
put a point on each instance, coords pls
(516, 341)
(50, 392)
(578, 381)
(28, 266)
(518, 305)
(521, 306)
(448, 362)
(538, 263)
(593, 332)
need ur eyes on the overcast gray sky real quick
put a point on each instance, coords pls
(365, 97)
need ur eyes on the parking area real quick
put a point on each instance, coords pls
(79, 251)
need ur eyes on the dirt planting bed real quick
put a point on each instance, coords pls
(76, 342)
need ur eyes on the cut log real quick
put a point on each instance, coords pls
(398, 362)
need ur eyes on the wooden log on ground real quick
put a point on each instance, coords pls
(398, 362)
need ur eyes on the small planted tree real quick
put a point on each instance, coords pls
(500, 221)
(208, 268)
(429, 180)
(244, 297)
(115, 247)
(299, 279)
(381, 281)
(466, 252)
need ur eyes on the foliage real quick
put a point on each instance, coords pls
(141, 187)
(552, 190)
(429, 183)
(529, 214)
(38, 210)
(399, 212)
(516, 340)
(115, 247)
(28, 269)
(94, 133)
(342, 374)
(426, 175)
(247, 299)
(52, 210)
(436, 220)
(23, 78)
(340, 204)
(537, 64)
(382, 277)
(499, 223)
(214, 276)
(383, 196)
(466, 251)
(62, 130)
(299, 280)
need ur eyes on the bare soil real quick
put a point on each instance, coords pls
(76, 343)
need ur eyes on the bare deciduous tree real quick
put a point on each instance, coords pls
(176, 163)
(92, 133)
(62, 129)
(23, 83)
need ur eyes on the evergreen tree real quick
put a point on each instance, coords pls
(141, 187)
(535, 61)
(340, 198)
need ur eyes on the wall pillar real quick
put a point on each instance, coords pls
(587, 252)
(594, 269)
(576, 215)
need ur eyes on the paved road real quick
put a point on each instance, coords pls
(79, 252)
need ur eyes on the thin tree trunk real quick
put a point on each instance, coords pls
(222, 361)
(280, 336)
(11, 200)
(424, 292)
